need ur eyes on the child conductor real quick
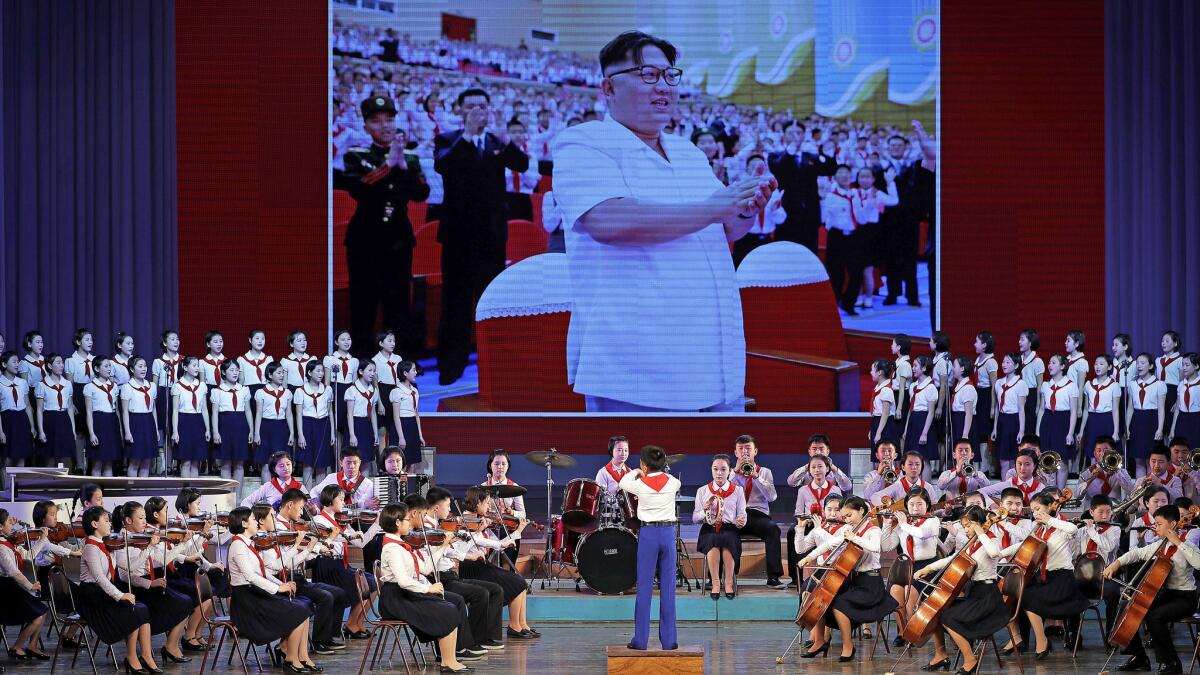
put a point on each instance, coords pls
(656, 492)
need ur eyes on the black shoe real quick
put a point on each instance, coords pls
(279, 657)
(808, 644)
(168, 657)
(964, 671)
(12, 654)
(1174, 668)
(914, 303)
(130, 670)
(519, 635)
(1042, 656)
(356, 635)
(631, 646)
(715, 596)
(812, 655)
(491, 645)
(793, 584)
(464, 655)
(1135, 663)
(322, 649)
(774, 582)
(314, 668)
(192, 645)
(287, 665)
(944, 664)
(889, 300)
(848, 659)
(708, 585)
(448, 669)
(849, 310)
(899, 642)
(1019, 648)
(37, 655)
(335, 645)
(533, 631)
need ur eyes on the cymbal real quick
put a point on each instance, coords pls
(677, 458)
(504, 491)
(557, 459)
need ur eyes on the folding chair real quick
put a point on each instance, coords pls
(215, 623)
(378, 624)
(61, 588)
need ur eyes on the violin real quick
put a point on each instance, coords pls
(118, 540)
(175, 535)
(418, 538)
(60, 532)
(265, 541)
(26, 536)
(1032, 553)
(950, 583)
(842, 562)
(461, 524)
(77, 531)
(512, 522)
(364, 517)
(197, 525)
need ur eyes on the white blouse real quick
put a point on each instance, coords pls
(210, 369)
(295, 365)
(1032, 370)
(9, 566)
(984, 552)
(14, 394)
(120, 371)
(406, 396)
(883, 394)
(386, 368)
(33, 368)
(363, 400)
(1168, 368)
(247, 567)
(733, 507)
(139, 397)
(165, 371)
(274, 405)
(400, 565)
(191, 396)
(80, 369)
(133, 565)
(918, 538)
(1009, 393)
(1059, 536)
(96, 567)
(1057, 395)
(985, 370)
(923, 394)
(608, 477)
(1146, 394)
(55, 396)
(103, 397)
(965, 398)
(1102, 538)
(342, 369)
(314, 404)
(1189, 396)
(1101, 396)
(252, 371)
(870, 539)
(234, 399)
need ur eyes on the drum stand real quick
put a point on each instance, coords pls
(545, 568)
(681, 577)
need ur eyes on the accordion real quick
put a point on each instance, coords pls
(390, 489)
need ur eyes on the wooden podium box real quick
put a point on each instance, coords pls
(687, 659)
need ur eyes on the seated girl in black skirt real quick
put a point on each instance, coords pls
(981, 611)
(47, 555)
(478, 502)
(169, 609)
(111, 613)
(334, 570)
(721, 508)
(408, 596)
(1051, 595)
(182, 576)
(862, 599)
(169, 557)
(260, 608)
(21, 606)
(915, 535)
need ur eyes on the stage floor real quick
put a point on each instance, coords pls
(730, 647)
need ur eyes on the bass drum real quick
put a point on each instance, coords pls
(607, 560)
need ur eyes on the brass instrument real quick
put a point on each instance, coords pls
(968, 471)
(1131, 501)
(746, 468)
(1049, 463)
(1112, 462)
(889, 474)
(1193, 464)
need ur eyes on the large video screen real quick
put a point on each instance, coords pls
(646, 206)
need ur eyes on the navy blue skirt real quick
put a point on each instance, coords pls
(957, 421)
(430, 616)
(108, 432)
(978, 614)
(412, 440)
(319, 447)
(983, 409)
(162, 409)
(339, 406)
(1098, 424)
(863, 599)
(273, 435)
(1187, 425)
(262, 617)
(19, 606)
(912, 437)
(889, 428)
(365, 436)
(17, 433)
(113, 621)
(1056, 424)
(192, 446)
(80, 410)
(1008, 436)
(60, 438)
(145, 436)
(1031, 413)
(235, 437)
(1142, 426)
(385, 420)
(728, 539)
(168, 607)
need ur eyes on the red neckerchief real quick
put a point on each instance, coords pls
(1101, 528)
(878, 389)
(261, 565)
(339, 529)
(908, 487)
(40, 364)
(389, 539)
(292, 483)
(392, 367)
(13, 383)
(58, 388)
(504, 502)
(1187, 394)
(192, 390)
(1169, 551)
(1054, 389)
(216, 367)
(616, 475)
(345, 365)
(1004, 391)
(300, 362)
(868, 525)
(722, 493)
(750, 482)
(278, 396)
(908, 538)
(16, 551)
(916, 391)
(1163, 363)
(656, 482)
(1097, 389)
(107, 390)
(169, 366)
(979, 365)
(349, 486)
(257, 365)
(1105, 486)
(958, 388)
(369, 395)
(87, 364)
(850, 203)
(1026, 492)
(145, 393)
(103, 549)
(819, 494)
(1142, 390)
(233, 396)
(978, 544)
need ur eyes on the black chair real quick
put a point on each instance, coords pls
(1089, 578)
(386, 627)
(61, 588)
(1013, 588)
(216, 623)
(900, 573)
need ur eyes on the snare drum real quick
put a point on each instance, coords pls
(582, 501)
(629, 507)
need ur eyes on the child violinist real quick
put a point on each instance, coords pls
(335, 570)
(21, 606)
(479, 503)
(720, 510)
(144, 569)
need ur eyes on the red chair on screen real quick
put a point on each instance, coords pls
(525, 239)
(796, 355)
(521, 332)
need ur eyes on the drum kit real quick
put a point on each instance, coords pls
(595, 533)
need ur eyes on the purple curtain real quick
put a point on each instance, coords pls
(87, 132)
(1152, 170)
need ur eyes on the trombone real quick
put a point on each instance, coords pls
(1049, 463)
(1193, 464)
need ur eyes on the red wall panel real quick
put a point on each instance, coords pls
(253, 170)
(1022, 145)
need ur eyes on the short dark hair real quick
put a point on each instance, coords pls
(1160, 449)
(1011, 492)
(40, 510)
(744, 438)
(988, 340)
(1153, 490)
(415, 501)
(941, 341)
(1179, 441)
(292, 495)
(436, 494)
(975, 513)
(1104, 440)
(391, 515)
(654, 457)
(856, 503)
(903, 342)
(1169, 513)
(472, 91)
(613, 440)
(185, 498)
(1032, 439)
(238, 518)
(723, 457)
(90, 517)
(1100, 500)
(819, 438)
(1032, 335)
(629, 46)
(330, 493)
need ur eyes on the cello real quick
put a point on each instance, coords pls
(1032, 553)
(948, 585)
(842, 562)
(1140, 595)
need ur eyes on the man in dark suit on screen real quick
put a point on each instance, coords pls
(474, 226)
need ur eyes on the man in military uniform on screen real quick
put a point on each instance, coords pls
(379, 239)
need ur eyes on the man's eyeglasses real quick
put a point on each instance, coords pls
(651, 75)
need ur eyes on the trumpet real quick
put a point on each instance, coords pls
(1049, 463)
(746, 468)
(889, 474)
(968, 471)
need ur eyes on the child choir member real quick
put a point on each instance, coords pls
(720, 510)
(919, 434)
(112, 614)
(138, 397)
(883, 402)
(253, 364)
(231, 411)
(340, 370)
(1147, 411)
(274, 428)
(610, 475)
(55, 413)
(164, 371)
(901, 349)
(210, 365)
(363, 406)
(862, 600)
(1168, 368)
(387, 374)
(964, 401)
(100, 410)
(1058, 413)
(1101, 404)
(294, 364)
(405, 414)
(261, 607)
(122, 353)
(34, 365)
(1032, 370)
(16, 415)
(315, 407)
(1187, 400)
(80, 368)
(1012, 394)
(190, 424)
(408, 596)
(983, 372)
